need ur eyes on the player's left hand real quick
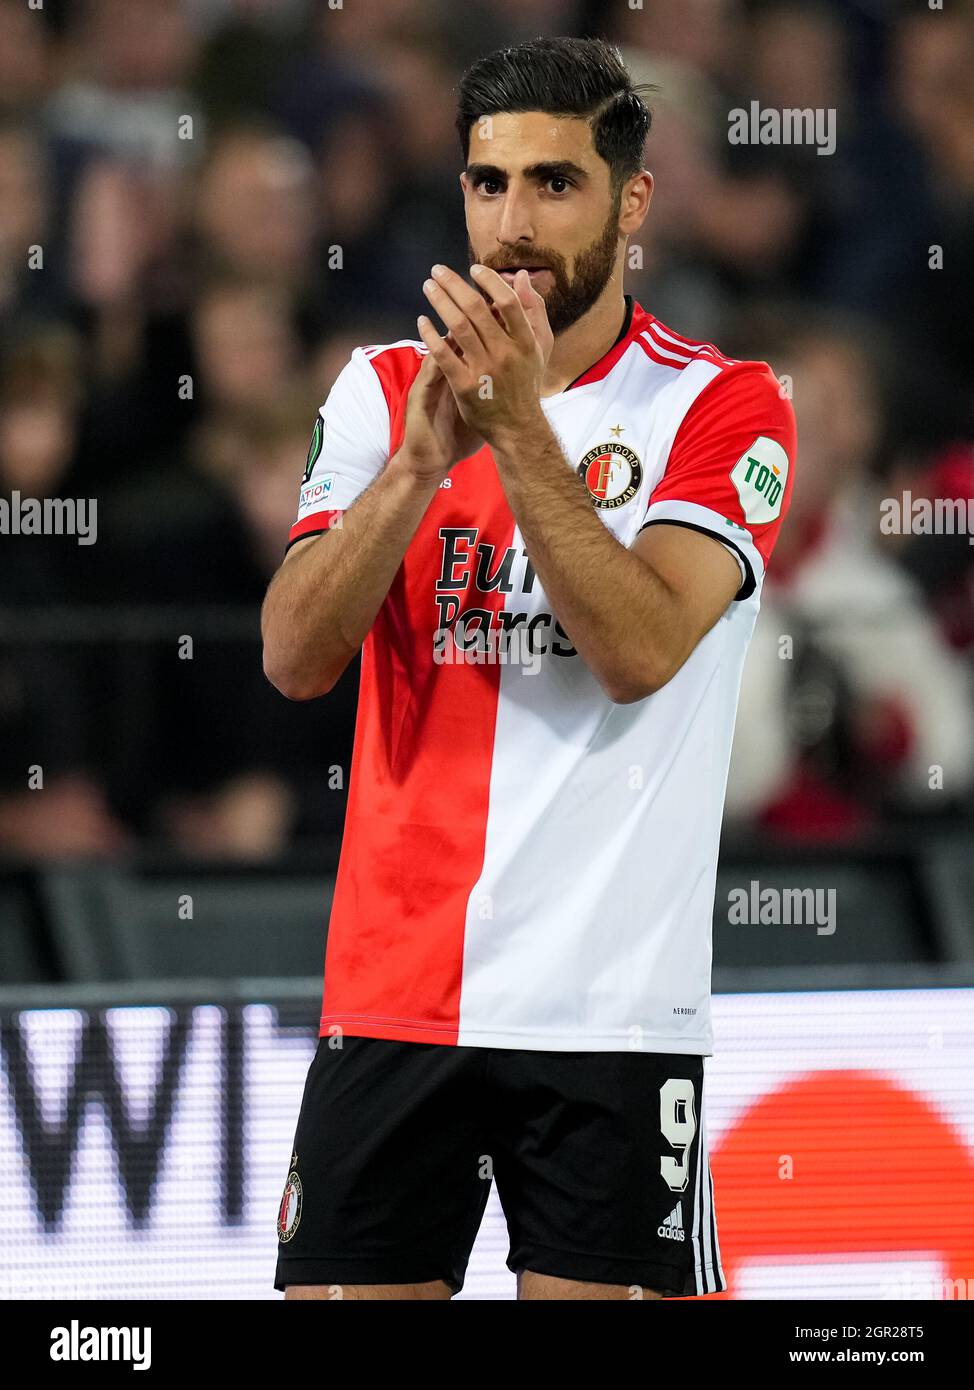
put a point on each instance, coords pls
(498, 350)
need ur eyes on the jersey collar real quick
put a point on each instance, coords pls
(635, 321)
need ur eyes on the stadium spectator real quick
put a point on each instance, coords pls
(851, 699)
(206, 204)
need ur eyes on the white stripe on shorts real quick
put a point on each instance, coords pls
(708, 1274)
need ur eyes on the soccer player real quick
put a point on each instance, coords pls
(547, 530)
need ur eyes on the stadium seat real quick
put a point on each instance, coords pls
(24, 948)
(110, 924)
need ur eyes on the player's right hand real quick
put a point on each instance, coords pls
(436, 435)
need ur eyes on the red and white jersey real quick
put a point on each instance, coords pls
(525, 863)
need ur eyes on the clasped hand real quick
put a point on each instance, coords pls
(496, 352)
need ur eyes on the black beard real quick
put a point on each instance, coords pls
(567, 300)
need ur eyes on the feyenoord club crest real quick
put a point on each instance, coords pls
(612, 474)
(289, 1213)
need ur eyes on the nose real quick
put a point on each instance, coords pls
(516, 222)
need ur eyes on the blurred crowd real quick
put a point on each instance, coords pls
(206, 204)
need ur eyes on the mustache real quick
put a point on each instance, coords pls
(524, 264)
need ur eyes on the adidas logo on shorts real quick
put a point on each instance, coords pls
(672, 1227)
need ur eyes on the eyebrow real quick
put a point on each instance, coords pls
(547, 169)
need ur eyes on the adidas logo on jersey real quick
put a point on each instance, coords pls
(672, 1227)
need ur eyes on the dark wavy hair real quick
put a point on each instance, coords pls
(563, 77)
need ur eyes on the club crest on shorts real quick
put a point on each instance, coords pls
(612, 473)
(289, 1212)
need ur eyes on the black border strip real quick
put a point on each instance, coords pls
(304, 536)
(749, 585)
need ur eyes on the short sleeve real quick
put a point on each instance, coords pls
(349, 447)
(731, 468)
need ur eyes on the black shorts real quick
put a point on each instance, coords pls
(600, 1160)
